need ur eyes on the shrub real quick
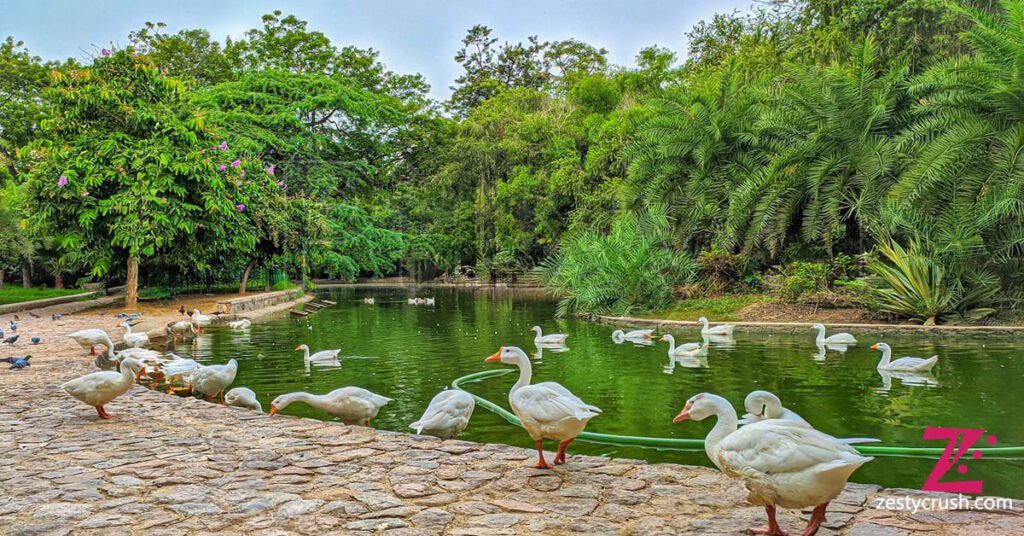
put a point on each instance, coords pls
(634, 267)
(801, 280)
(909, 283)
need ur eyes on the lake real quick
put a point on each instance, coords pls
(409, 353)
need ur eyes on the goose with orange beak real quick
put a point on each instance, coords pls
(353, 405)
(547, 410)
(99, 388)
(782, 463)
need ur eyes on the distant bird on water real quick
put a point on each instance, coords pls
(17, 362)
(11, 340)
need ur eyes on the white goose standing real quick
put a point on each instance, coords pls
(553, 338)
(447, 415)
(353, 405)
(201, 321)
(243, 397)
(90, 338)
(212, 380)
(547, 409)
(838, 338)
(99, 388)
(781, 463)
(909, 364)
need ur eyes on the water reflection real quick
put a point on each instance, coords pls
(920, 379)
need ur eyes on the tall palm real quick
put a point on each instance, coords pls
(692, 151)
(832, 158)
(964, 190)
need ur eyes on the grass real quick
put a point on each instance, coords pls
(721, 308)
(12, 294)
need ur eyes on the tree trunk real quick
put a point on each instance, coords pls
(131, 286)
(58, 281)
(245, 277)
(1, 278)
(26, 276)
(266, 280)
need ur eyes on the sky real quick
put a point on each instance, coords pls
(411, 35)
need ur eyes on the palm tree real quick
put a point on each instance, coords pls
(694, 148)
(964, 190)
(832, 159)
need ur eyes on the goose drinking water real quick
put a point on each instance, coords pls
(353, 405)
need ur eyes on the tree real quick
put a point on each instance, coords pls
(22, 81)
(189, 54)
(127, 168)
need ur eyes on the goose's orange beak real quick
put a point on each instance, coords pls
(297, 348)
(273, 410)
(683, 415)
(662, 339)
(496, 356)
(874, 346)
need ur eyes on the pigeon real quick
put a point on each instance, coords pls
(119, 315)
(58, 316)
(11, 340)
(1, 333)
(189, 313)
(35, 340)
(17, 362)
(16, 318)
(14, 326)
(33, 315)
(181, 310)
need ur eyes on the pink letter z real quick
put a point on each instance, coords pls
(949, 459)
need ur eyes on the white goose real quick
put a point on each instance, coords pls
(640, 335)
(134, 340)
(243, 397)
(201, 321)
(723, 329)
(838, 338)
(323, 356)
(909, 364)
(689, 349)
(764, 405)
(447, 415)
(368, 301)
(99, 388)
(353, 405)
(240, 324)
(428, 301)
(782, 463)
(181, 327)
(89, 338)
(212, 380)
(553, 338)
(547, 410)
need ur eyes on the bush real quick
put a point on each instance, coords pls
(632, 268)
(800, 281)
(721, 271)
(909, 283)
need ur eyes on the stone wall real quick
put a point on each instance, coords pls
(263, 300)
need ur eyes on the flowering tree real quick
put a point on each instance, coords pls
(127, 168)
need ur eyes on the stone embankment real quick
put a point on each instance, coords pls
(167, 465)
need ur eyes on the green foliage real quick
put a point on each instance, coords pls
(803, 280)
(632, 268)
(912, 285)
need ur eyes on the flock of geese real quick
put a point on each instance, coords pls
(780, 457)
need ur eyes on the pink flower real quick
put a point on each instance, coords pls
(85, 194)
(272, 169)
(243, 173)
(63, 181)
(222, 167)
(223, 146)
(240, 207)
(105, 53)
(236, 163)
(280, 183)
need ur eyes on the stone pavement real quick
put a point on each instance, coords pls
(167, 465)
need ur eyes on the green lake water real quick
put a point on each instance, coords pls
(409, 353)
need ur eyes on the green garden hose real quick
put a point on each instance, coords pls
(695, 444)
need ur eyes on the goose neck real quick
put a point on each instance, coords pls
(886, 355)
(525, 375)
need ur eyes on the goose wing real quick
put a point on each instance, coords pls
(776, 446)
(551, 402)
